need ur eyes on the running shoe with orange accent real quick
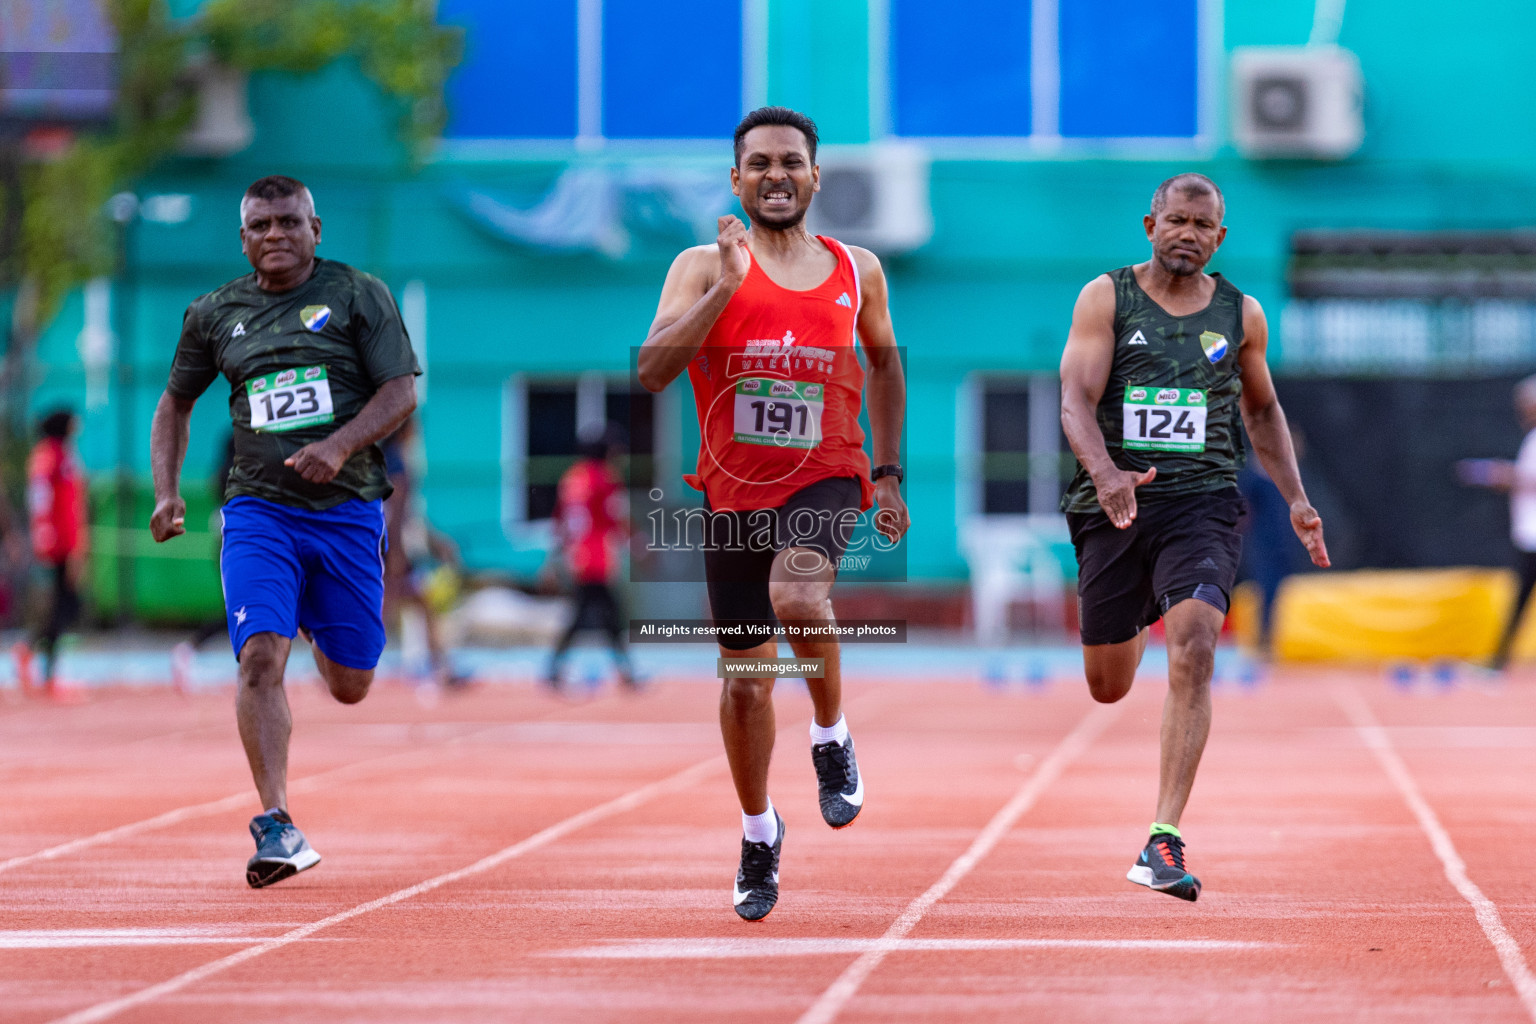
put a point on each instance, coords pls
(1161, 867)
(839, 786)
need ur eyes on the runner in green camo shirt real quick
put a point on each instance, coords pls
(320, 369)
(1161, 360)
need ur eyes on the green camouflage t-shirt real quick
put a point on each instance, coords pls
(1175, 384)
(300, 364)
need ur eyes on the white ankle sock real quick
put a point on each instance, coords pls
(834, 733)
(761, 828)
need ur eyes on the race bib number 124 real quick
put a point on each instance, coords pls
(290, 399)
(1164, 419)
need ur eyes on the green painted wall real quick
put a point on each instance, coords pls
(1449, 109)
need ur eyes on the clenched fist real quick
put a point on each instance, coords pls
(319, 462)
(735, 260)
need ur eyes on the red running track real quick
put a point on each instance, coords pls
(504, 856)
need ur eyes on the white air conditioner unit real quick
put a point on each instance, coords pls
(1296, 101)
(222, 125)
(875, 196)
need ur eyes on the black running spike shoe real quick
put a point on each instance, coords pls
(757, 880)
(840, 786)
(1161, 867)
(281, 850)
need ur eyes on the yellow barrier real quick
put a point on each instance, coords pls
(1377, 616)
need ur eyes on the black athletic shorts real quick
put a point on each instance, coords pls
(742, 546)
(1127, 579)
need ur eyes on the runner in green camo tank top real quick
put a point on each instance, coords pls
(1161, 360)
(1196, 447)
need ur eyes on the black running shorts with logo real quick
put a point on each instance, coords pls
(741, 547)
(1127, 577)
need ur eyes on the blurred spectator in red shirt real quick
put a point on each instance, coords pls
(56, 500)
(591, 525)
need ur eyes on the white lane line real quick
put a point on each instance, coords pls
(308, 784)
(91, 938)
(751, 949)
(1377, 740)
(831, 1002)
(628, 802)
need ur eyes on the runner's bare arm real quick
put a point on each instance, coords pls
(1085, 364)
(887, 389)
(386, 410)
(1270, 434)
(700, 283)
(168, 434)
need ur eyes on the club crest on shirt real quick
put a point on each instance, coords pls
(315, 317)
(1215, 345)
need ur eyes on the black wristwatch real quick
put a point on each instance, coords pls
(889, 469)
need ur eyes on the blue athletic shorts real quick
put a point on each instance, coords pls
(287, 567)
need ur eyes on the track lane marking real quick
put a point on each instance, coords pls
(307, 784)
(831, 1002)
(618, 805)
(1380, 744)
(751, 949)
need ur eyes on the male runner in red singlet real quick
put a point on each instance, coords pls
(765, 323)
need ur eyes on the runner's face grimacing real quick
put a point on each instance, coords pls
(279, 236)
(775, 178)
(1186, 233)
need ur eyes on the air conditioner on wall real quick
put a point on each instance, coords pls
(1296, 102)
(874, 196)
(222, 123)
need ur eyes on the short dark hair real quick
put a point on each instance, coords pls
(57, 424)
(275, 186)
(776, 115)
(1189, 183)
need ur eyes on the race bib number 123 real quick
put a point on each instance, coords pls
(290, 399)
(1164, 419)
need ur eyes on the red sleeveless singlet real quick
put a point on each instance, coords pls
(778, 385)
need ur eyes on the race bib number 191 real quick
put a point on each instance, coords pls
(1164, 419)
(781, 413)
(290, 399)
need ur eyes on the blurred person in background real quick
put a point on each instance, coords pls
(56, 492)
(1269, 553)
(319, 368)
(1518, 478)
(591, 527)
(414, 549)
(1161, 361)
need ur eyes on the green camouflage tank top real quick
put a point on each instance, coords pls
(1172, 396)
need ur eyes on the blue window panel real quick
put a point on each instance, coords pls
(960, 68)
(518, 78)
(671, 69)
(1130, 68)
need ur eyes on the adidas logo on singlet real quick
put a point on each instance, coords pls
(844, 300)
(1137, 339)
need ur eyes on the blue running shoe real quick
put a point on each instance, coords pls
(1161, 867)
(281, 850)
(757, 880)
(839, 785)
